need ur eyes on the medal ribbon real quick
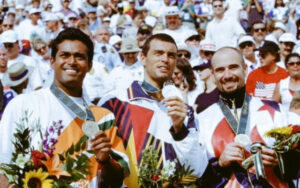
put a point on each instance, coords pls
(149, 88)
(237, 127)
(71, 105)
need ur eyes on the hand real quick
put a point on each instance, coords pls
(233, 152)
(177, 110)
(101, 145)
(269, 157)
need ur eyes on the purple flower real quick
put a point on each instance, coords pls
(51, 136)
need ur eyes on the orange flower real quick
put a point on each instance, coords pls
(53, 165)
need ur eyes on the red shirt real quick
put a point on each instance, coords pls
(261, 84)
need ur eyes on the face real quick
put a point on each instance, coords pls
(259, 31)
(286, 48)
(138, 20)
(173, 22)
(247, 49)
(267, 58)
(35, 17)
(193, 42)
(102, 35)
(229, 71)
(204, 74)
(7, 24)
(177, 77)
(130, 58)
(70, 64)
(218, 8)
(184, 54)
(206, 54)
(12, 49)
(159, 62)
(293, 67)
(66, 3)
(3, 58)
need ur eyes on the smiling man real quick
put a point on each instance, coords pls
(66, 104)
(234, 114)
(145, 118)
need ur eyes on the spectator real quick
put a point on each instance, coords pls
(211, 92)
(222, 30)
(258, 31)
(262, 81)
(7, 24)
(247, 46)
(255, 11)
(286, 88)
(287, 41)
(280, 12)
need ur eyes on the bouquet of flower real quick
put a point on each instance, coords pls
(150, 175)
(286, 138)
(40, 167)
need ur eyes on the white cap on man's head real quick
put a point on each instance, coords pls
(9, 36)
(34, 10)
(189, 33)
(207, 45)
(150, 21)
(51, 17)
(106, 19)
(245, 38)
(287, 37)
(171, 10)
(19, 6)
(280, 25)
(114, 39)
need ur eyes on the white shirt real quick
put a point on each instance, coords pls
(224, 32)
(27, 30)
(96, 82)
(121, 77)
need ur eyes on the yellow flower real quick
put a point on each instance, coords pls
(37, 179)
(284, 131)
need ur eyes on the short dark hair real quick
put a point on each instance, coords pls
(257, 22)
(73, 34)
(161, 37)
(288, 57)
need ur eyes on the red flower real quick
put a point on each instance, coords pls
(296, 129)
(156, 177)
(36, 157)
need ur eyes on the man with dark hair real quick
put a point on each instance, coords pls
(230, 126)
(146, 117)
(66, 103)
(262, 81)
(258, 31)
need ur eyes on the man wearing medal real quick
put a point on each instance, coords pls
(237, 120)
(65, 102)
(146, 117)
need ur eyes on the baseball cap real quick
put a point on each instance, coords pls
(245, 38)
(280, 25)
(51, 17)
(144, 29)
(190, 34)
(206, 45)
(202, 65)
(9, 36)
(114, 39)
(171, 10)
(287, 37)
(269, 46)
(151, 21)
(106, 19)
(34, 10)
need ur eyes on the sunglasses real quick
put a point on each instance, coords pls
(291, 44)
(8, 45)
(293, 63)
(208, 53)
(260, 29)
(243, 45)
(188, 56)
(215, 6)
(8, 25)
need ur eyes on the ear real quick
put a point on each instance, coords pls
(143, 59)
(52, 62)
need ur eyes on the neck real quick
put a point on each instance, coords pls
(252, 59)
(154, 83)
(71, 91)
(219, 17)
(3, 69)
(11, 57)
(236, 96)
(270, 69)
(210, 84)
(128, 63)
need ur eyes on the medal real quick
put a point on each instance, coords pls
(90, 128)
(242, 139)
(170, 90)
